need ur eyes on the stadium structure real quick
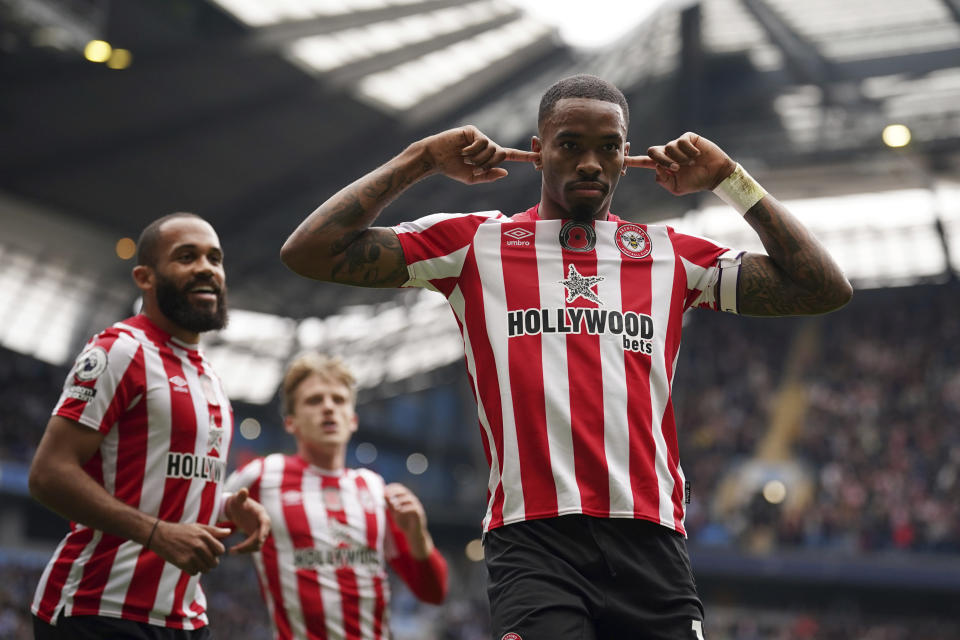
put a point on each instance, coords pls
(824, 452)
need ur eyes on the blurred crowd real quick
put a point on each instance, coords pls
(878, 454)
(879, 436)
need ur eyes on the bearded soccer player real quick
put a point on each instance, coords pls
(323, 570)
(571, 320)
(135, 455)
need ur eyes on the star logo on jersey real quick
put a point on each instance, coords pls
(579, 286)
(340, 533)
(214, 441)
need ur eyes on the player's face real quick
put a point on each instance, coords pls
(323, 413)
(582, 145)
(189, 278)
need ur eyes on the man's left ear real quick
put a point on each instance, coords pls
(626, 152)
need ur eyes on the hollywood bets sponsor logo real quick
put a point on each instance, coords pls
(339, 557)
(189, 466)
(635, 329)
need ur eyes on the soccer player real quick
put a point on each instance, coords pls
(571, 321)
(322, 572)
(135, 456)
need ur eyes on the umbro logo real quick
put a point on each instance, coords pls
(518, 237)
(179, 384)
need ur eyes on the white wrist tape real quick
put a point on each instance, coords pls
(740, 190)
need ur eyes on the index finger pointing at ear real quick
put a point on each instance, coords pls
(644, 162)
(515, 155)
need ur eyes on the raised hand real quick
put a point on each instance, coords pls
(469, 156)
(406, 509)
(251, 518)
(194, 548)
(687, 164)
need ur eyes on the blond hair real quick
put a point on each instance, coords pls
(329, 369)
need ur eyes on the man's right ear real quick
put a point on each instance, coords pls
(288, 424)
(143, 277)
(537, 148)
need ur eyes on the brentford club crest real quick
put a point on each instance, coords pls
(633, 241)
(578, 236)
(511, 636)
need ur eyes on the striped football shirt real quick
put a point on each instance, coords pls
(167, 425)
(571, 332)
(322, 571)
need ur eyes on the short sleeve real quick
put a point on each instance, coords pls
(105, 381)
(712, 272)
(435, 247)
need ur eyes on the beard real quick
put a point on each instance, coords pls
(583, 212)
(175, 304)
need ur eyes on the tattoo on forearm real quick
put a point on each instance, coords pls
(372, 260)
(336, 242)
(765, 290)
(346, 210)
(798, 277)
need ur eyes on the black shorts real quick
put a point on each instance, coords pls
(101, 627)
(582, 578)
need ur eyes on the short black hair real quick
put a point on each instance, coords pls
(581, 86)
(150, 237)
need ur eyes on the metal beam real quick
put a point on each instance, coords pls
(802, 57)
(273, 35)
(953, 6)
(690, 76)
(352, 72)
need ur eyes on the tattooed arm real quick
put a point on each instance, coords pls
(797, 276)
(336, 242)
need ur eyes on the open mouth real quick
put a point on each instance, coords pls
(206, 293)
(330, 427)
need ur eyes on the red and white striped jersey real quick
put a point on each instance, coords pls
(167, 424)
(571, 332)
(322, 571)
